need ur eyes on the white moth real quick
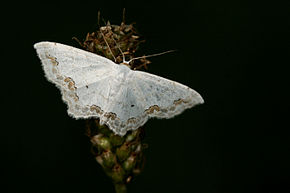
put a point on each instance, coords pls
(123, 99)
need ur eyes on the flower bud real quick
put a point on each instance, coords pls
(99, 160)
(101, 141)
(123, 152)
(116, 140)
(130, 163)
(103, 129)
(108, 159)
(132, 136)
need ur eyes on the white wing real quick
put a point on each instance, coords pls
(81, 76)
(163, 98)
(143, 95)
(94, 86)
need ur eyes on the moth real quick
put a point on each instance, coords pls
(95, 87)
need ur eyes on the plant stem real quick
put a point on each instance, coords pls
(120, 188)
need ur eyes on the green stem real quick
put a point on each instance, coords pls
(120, 188)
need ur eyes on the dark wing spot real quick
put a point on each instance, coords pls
(132, 105)
(87, 86)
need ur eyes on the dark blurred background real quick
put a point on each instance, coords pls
(234, 53)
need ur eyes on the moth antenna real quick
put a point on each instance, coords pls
(151, 55)
(79, 42)
(123, 55)
(108, 45)
(124, 59)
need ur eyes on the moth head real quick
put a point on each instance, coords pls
(126, 63)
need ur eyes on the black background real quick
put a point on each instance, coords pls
(234, 53)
